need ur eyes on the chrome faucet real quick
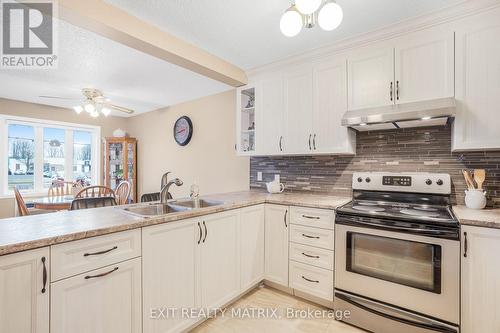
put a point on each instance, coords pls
(164, 193)
(194, 192)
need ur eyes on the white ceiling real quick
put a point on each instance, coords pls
(128, 77)
(247, 34)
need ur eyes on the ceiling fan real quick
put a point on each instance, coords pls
(94, 103)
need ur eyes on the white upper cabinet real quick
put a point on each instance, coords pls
(271, 115)
(370, 75)
(424, 66)
(298, 106)
(24, 297)
(477, 122)
(329, 105)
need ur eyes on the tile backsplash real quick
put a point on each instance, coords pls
(425, 149)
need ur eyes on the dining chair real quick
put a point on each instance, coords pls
(122, 193)
(92, 202)
(60, 188)
(21, 205)
(148, 197)
(95, 191)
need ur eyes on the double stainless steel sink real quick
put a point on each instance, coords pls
(176, 206)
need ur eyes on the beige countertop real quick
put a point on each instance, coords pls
(489, 218)
(25, 233)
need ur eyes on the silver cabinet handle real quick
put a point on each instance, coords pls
(307, 236)
(284, 218)
(201, 233)
(390, 93)
(310, 256)
(310, 135)
(397, 90)
(311, 217)
(281, 139)
(465, 244)
(44, 277)
(314, 141)
(309, 280)
(101, 275)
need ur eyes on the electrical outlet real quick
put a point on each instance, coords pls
(259, 176)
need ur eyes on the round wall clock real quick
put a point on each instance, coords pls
(183, 130)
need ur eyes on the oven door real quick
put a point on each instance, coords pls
(418, 273)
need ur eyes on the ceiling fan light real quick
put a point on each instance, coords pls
(291, 22)
(105, 111)
(94, 114)
(89, 107)
(307, 6)
(78, 109)
(330, 16)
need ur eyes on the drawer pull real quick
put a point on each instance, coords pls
(44, 288)
(101, 275)
(310, 256)
(100, 252)
(309, 280)
(311, 217)
(307, 236)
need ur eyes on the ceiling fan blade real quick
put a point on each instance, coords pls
(120, 108)
(58, 97)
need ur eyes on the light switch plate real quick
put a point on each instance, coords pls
(259, 176)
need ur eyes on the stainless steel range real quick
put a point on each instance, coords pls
(397, 254)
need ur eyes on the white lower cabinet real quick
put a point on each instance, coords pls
(24, 301)
(170, 274)
(312, 280)
(276, 245)
(252, 226)
(106, 300)
(480, 280)
(219, 280)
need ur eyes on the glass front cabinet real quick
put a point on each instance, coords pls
(120, 159)
(245, 114)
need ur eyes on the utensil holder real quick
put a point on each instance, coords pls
(475, 199)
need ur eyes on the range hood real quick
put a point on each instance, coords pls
(417, 114)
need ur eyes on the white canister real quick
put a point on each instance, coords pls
(275, 187)
(475, 199)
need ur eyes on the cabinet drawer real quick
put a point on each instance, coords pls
(81, 256)
(311, 255)
(312, 280)
(313, 217)
(312, 236)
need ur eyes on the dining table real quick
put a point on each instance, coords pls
(58, 202)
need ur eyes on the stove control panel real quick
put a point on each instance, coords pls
(396, 180)
(412, 182)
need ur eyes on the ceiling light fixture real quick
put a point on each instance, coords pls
(95, 104)
(305, 13)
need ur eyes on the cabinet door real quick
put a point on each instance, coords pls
(370, 73)
(276, 245)
(24, 308)
(106, 300)
(298, 110)
(271, 114)
(477, 84)
(329, 105)
(252, 246)
(424, 66)
(219, 259)
(480, 280)
(170, 273)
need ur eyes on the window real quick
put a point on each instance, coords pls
(40, 152)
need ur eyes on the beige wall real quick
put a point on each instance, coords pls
(23, 109)
(209, 159)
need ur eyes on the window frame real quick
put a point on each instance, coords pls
(38, 126)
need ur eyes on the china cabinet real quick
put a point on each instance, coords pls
(120, 159)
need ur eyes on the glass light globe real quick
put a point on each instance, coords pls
(94, 114)
(78, 109)
(105, 111)
(89, 107)
(307, 6)
(330, 16)
(291, 22)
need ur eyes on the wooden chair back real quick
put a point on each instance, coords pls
(95, 202)
(60, 188)
(122, 193)
(21, 205)
(96, 191)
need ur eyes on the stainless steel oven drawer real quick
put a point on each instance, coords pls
(380, 318)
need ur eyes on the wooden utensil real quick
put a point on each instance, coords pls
(479, 176)
(468, 179)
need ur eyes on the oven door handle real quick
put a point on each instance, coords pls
(388, 227)
(432, 327)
